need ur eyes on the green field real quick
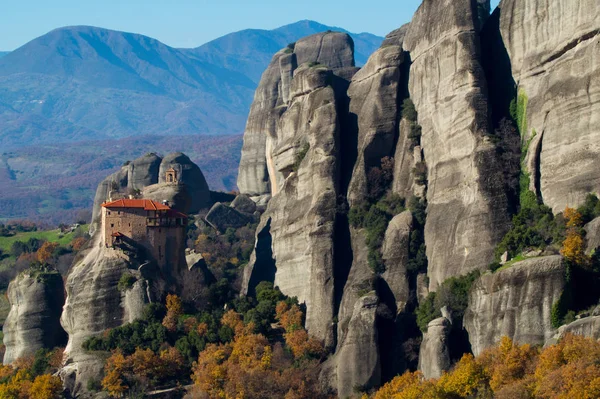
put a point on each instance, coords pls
(49, 235)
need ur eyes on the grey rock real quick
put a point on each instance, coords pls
(395, 37)
(515, 302)
(592, 236)
(332, 49)
(33, 323)
(434, 354)
(194, 260)
(190, 175)
(395, 251)
(357, 363)
(93, 305)
(243, 203)
(222, 217)
(374, 100)
(422, 286)
(404, 163)
(143, 171)
(586, 326)
(177, 196)
(555, 64)
(301, 214)
(257, 176)
(466, 213)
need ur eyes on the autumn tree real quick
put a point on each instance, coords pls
(573, 247)
(46, 252)
(174, 310)
(46, 387)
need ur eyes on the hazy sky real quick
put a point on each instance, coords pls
(190, 23)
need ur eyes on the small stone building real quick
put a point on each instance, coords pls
(149, 223)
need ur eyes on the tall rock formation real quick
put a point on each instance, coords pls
(516, 302)
(292, 142)
(553, 48)
(466, 213)
(434, 355)
(257, 176)
(36, 299)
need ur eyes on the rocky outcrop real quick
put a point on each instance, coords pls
(586, 326)
(515, 302)
(256, 176)
(176, 196)
(356, 363)
(395, 251)
(242, 203)
(374, 101)
(434, 354)
(36, 299)
(292, 141)
(189, 175)
(146, 176)
(395, 37)
(466, 213)
(93, 305)
(222, 217)
(553, 48)
(592, 235)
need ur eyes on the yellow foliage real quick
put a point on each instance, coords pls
(46, 387)
(46, 251)
(174, 310)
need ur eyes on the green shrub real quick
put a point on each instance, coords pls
(420, 173)
(408, 110)
(374, 218)
(300, 156)
(518, 111)
(427, 311)
(590, 208)
(126, 281)
(452, 293)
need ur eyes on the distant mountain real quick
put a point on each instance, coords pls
(249, 51)
(81, 83)
(3, 53)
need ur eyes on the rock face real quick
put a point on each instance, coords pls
(190, 175)
(147, 175)
(395, 251)
(256, 176)
(434, 355)
(592, 236)
(291, 152)
(515, 302)
(587, 326)
(466, 213)
(374, 98)
(242, 203)
(36, 300)
(94, 304)
(356, 362)
(222, 217)
(553, 49)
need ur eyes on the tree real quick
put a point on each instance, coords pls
(46, 387)
(46, 252)
(113, 381)
(573, 246)
(174, 310)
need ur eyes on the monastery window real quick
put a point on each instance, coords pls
(108, 213)
(118, 212)
(112, 225)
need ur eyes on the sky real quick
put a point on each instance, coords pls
(190, 23)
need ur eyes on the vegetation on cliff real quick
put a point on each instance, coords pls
(571, 368)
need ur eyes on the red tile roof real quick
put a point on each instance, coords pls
(146, 204)
(117, 234)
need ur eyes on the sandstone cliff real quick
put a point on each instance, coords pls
(36, 299)
(553, 48)
(516, 302)
(466, 213)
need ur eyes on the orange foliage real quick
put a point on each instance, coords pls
(78, 244)
(573, 247)
(46, 251)
(569, 369)
(296, 337)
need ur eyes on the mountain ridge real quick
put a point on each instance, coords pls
(104, 84)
